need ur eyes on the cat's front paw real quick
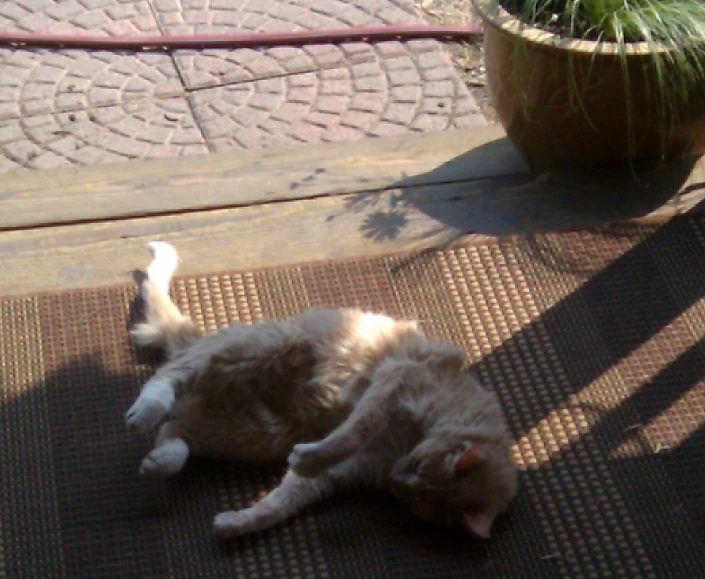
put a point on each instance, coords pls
(307, 461)
(152, 405)
(145, 414)
(231, 524)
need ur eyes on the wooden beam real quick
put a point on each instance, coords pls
(95, 254)
(239, 178)
(329, 227)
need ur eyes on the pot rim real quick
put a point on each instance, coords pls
(493, 14)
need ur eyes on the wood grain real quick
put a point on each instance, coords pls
(240, 178)
(366, 223)
(94, 254)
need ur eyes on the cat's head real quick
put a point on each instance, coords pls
(457, 478)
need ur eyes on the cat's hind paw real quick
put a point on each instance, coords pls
(231, 524)
(165, 460)
(306, 460)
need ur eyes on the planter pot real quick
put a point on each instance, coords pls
(565, 102)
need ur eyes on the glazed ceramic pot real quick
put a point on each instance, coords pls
(565, 102)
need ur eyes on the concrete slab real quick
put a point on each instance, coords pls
(65, 107)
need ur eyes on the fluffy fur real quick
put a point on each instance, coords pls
(349, 398)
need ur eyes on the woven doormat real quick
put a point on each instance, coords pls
(593, 341)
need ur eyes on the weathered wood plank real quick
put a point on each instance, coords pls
(95, 254)
(234, 179)
(329, 227)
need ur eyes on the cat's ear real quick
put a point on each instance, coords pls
(478, 523)
(470, 459)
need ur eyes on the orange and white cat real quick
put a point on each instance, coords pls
(349, 398)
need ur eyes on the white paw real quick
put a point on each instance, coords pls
(165, 460)
(164, 262)
(145, 414)
(152, 405)
(306, 461)
(231, 524)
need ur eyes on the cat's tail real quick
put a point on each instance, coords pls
(165, 327)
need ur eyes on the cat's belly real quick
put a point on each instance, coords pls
(259, 428)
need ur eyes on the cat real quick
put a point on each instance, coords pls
(349, 398)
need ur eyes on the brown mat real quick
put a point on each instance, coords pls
(593, 340)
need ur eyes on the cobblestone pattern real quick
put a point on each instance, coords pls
(80, 16)
(132, 130)
(62, 107)
(68, 107)
(336, 104)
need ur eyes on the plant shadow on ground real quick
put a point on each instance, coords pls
(465, 196)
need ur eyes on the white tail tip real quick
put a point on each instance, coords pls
(164, 262)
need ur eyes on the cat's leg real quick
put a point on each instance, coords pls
(169, 454)
(153, 404)
(370, 416)
(159, 393)
(291, 496)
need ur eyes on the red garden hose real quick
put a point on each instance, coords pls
(242, 39)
